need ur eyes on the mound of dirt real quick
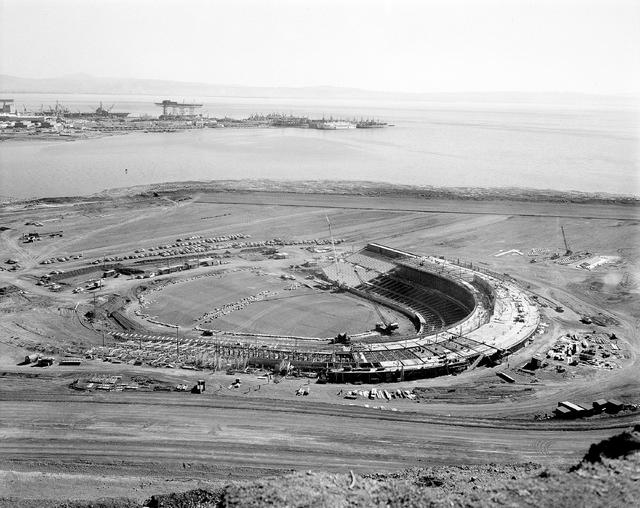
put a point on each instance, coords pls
(100, 503)
(616, 446)
(198, 498)
(611, 484)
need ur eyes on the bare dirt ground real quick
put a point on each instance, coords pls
(607, 476)
(59, 444)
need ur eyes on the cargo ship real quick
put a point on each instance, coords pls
(333, 125)
(100, 112)
(370, 124)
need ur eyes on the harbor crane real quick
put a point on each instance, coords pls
(5, 105)
(178, 109)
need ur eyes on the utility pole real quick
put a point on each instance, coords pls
(177, 345)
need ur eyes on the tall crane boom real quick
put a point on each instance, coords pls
(384, 326)
(333, 247)
(566, 245)
(375, 306)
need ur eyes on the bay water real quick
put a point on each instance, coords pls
(592, 148)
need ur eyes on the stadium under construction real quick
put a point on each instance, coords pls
(461, 316)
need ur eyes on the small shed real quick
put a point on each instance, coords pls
(614, 406)
(599, 405)
(575, 408)
(563, 412)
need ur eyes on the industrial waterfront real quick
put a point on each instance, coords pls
(60, 120)
(462, 144)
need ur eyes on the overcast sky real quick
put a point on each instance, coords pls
(419, 46)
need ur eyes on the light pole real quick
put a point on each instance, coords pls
(177, 344)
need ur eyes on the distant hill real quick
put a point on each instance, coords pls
(86, 84)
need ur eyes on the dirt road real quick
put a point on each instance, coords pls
(151, 428)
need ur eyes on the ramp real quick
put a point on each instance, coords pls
(476, 362)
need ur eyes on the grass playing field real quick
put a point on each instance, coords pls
(257, 303)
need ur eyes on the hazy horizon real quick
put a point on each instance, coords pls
(460, 46)
(318, 86)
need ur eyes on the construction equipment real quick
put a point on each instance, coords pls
(335, 256)
(5, 105)
(341, 338)
(383, 327)
(566, 245)
(199, 387)
(173, 109)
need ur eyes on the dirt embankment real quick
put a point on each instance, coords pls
(607, 476)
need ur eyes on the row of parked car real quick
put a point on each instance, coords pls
(61, 259)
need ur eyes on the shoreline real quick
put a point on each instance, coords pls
(50, 136)
(339, 188)
(87, 128)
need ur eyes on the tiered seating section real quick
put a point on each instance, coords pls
(438, 309)
(455, 332)
(372, 261)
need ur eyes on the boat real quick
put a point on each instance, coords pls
(100, 112)
(370, 124)
(333, 125)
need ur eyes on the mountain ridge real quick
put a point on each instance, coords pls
(82, 83)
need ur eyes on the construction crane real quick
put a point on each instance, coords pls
(177, 109)
(566, 245)
(383, 327)
(5, 105)
(335, 256)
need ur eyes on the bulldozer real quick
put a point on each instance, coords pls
(385, 328)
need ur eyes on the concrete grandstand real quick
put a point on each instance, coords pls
(462, 315)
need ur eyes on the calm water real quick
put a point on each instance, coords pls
(433, 143)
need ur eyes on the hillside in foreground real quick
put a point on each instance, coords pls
(608, 475)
